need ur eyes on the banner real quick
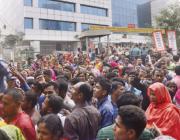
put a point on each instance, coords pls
(158, 39)
(171, 35)
(126, 30)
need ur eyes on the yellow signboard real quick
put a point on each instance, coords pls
(126, 30)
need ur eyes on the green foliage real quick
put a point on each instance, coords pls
(169, 19)
(12, 40)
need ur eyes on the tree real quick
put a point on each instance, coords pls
(169, 19)
(11, 41)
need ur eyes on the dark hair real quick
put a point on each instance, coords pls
(156, 69)
(128, 98)
(177, 70)
(38, 73)
(55, 102)
(30, 82)
(63, 76)
(53, 124)
(84, 73)
(115, 85)
(68, 68)
(15, 94)
(133, 117)
(91, 74)
(176, 58)
(87, 92)
(47, 72)
(75, 80)
(54, 84)
(39, 87)
(31, 97)
(111, 75)
(117, 79)
(170, 83)
(132, 73)
(104, 83)
(62, 86)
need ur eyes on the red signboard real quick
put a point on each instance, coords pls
(131, 26)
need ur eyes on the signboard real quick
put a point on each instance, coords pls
(131, 25)
(171, 35)
(125, 29)
(158, 39)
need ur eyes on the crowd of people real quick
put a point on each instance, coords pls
(119, 93)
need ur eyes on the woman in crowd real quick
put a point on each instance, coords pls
(161, 112)
(177, 98)
(50, 128)
(172, 88)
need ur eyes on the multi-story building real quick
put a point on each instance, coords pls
(51, 25)
(144, 15)
(124, 12)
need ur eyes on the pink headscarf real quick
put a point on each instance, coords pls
(53, 75)
(113, 64)
(177, 96)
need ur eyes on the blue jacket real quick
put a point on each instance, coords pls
(107, 112)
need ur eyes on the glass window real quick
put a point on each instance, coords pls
(43, 24)
(57, 5)
(68, 7)
(28, 23)
(57, 25)
(68, 26)
(85, 27)
(94, 11)
(28, 2)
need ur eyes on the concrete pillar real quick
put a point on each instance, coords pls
(36, 46)
(36, 23)
(78, 8)
(35, 3)
(78, 27)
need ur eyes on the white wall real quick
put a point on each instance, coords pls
(36, 13)
(11, 15)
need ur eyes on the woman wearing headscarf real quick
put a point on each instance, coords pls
(161, 112)
(177, 98)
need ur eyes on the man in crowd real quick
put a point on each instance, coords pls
(125, 98)
(28, 106)
(54, 84)
(101, 92)
(130, 123)
(83, 122)
(13, 114)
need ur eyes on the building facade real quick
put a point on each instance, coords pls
(51, 25)
(124, 12)
(144, 15)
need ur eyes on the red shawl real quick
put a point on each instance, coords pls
(163, 114)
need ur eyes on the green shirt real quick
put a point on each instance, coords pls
(106, 133)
